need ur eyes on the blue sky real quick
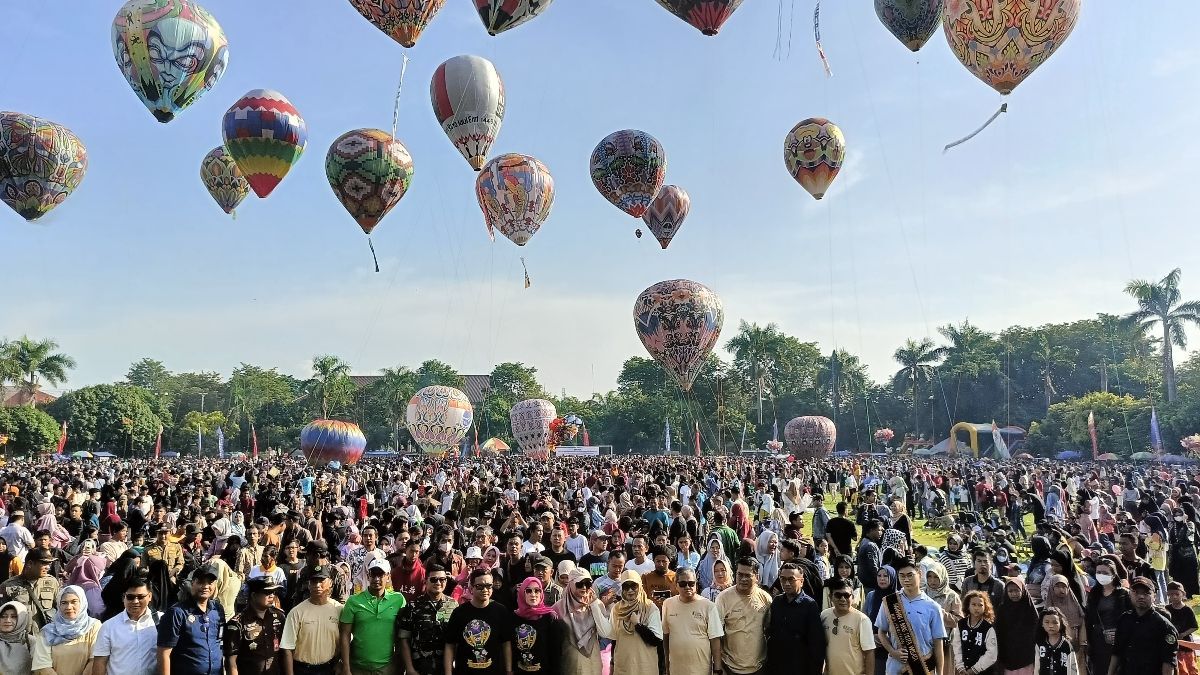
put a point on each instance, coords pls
(1087, 182)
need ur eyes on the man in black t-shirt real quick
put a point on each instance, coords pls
(479, 634)
(595, 561)
(840, 532)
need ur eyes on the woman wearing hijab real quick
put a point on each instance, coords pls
(1062, 598)
(636, 628)
(537, 647)
(59, 537)
(585, 621)
(1182, 564)
(14, 639)
(1016, 629)
(766, 549)
(64, 646)
(887, 583)
(237, 524)
(1039, 567)
(85, 571)
(937, 587)
(714, 552)
(120, 574)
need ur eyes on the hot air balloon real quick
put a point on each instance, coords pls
(170, 51)
(500, 15)
(911, 21)
(667, 213)
(706, 15)
(265, 135)
(402, 20)
(530, 421)
(679, 322)
(813, 152)
(515, 193)
(369, 172)
(628, 168)
(810, 437)
(438, 418)
(468, 100)
(1001, 43)
(41, 164)
(223, 179)
(327, 441)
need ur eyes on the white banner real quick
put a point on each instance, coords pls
(577, 451)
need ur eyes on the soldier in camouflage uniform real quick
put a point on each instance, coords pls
(419, 625)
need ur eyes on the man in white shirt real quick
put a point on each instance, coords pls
(16, 535)
(126, 643)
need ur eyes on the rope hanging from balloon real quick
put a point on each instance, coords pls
(399, 90)
(528, 283)
(780, 52)
(1003, 109)
(817, 37)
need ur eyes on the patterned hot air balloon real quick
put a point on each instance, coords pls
(813, 152)
(911, 21)
(628, 168)
(41, 164)
(667, 213)
(500, 15)
(403, 20)
(810, 437)
(170, 51)
(223, 179)
(531, 426)
(326, 441)
(265, 135)
(706, 15)
(438, 418)
(515, 193)
(369, 172)
(679, 322)
(1001, 43)
(468, 100)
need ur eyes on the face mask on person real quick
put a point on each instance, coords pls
(1143, 528)
(444, 547)
(1179, 519)
(1104, 579)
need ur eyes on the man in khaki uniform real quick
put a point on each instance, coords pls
(310, 633)
(170, 553)
(34, 587)
(744, 610)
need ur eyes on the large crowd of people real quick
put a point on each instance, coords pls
(583, 566)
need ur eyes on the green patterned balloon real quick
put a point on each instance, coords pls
(369, 172)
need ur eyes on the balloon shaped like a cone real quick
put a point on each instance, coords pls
(468, 101)
(912, 22)
(1002, 43)
(530, 420)
(402, 20)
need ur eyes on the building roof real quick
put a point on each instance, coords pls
(14, 397)
(476, 387)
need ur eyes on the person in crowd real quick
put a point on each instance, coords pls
(1106, 602)
(744, 609)
(367, 623)
(586, 620)
(659, 583)
(636, 628)
(849, 635)
(189, 635)
(794, 626)
(15, 656)
(886, 585)
(420, 625)
(1184, 620)
(973, 645)
(924, 623)
(310, 632)
(120, 574)
(64, 645)
(1016, 628)
(1146, 640)
(1053, 652)
(956, 561)
(34, 587)
(937, 587)
(479, 634)
(983, 579)
(695, 624)
(538, 633)
(126, 643)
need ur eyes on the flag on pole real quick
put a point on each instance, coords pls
(1092, 434)
(697, 438)
(775, 430)
(199, 441)
(743, 446)
(254, 441)
(220, 443)
(587, 440)
(62, 438)
(1155, 434)
(158, 443)
(998, 442)
(476, 441)
(667, 436)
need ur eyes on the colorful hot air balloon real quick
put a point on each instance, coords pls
(679, 322)
(911, 21)
(810, 437)
(402, 20)
(223, 179)
(500, 15)
(530, 421)
(813, 152)
(515, 193)
(41, 164)
(369, 172)
(468, 99)
(1001, 43)
(628, 168)
(706, 15)
(667, 213)
(265, 135)
(438, 418)
(327, 441)
(170, 51)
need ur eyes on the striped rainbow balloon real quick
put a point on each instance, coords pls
(265, 135)
(325, 441)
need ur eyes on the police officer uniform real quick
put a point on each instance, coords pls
(1144, 643)
(254, 639)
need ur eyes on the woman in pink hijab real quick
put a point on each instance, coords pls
(539, 635)
(59, 537)
(85, 571)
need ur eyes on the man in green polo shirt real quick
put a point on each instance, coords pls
(370, 617)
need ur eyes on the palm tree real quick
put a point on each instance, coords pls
(27, 361)
(843, 374)
(394, 389)
(755, 350)
(917, 360)
(1158, 302)
(329, 382)
(1051, 359)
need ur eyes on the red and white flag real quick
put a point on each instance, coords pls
(697, 438)
(254, 442)
(158, 443)
(62, 438)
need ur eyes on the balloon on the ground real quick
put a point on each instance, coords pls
(223, 179)
(628, 168)
(1001, 43)
(706, 15)
(911, 21)
(468, 100)
(438, 418)
(495, 445)
(530, 420)
(500, 15)
(326, 441)
(810, 436)
(667, 213)
(265, 135)
(813, 152)
(402, 20)
(170, 51)
(41, 164)
(679, 322)
(516, 193)
(369, 172)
